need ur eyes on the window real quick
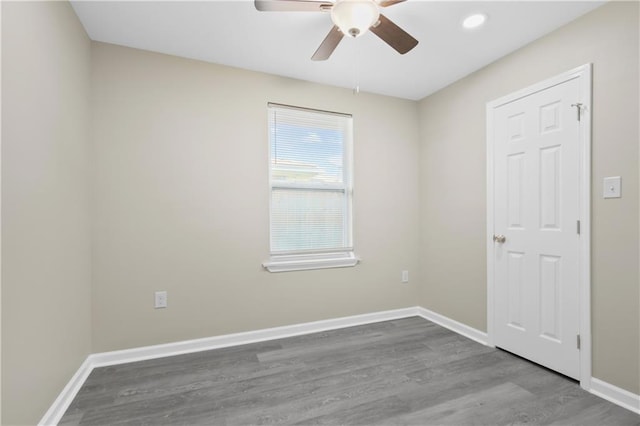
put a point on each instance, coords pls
(310, 182)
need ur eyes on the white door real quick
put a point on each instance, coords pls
(536, 292)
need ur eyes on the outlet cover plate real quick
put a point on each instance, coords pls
(160, 299)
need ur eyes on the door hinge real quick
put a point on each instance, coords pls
(579, 108)
(578, 226)
(578, 341)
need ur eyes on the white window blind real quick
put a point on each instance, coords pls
(310, 176)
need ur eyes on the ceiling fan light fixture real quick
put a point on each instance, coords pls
(354, 17)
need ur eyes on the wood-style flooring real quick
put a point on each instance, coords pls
(403, 372)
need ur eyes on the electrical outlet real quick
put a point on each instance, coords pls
(161, 299)
(405, 276)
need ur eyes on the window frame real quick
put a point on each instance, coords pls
(297, 260)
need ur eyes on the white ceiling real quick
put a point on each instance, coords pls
(234, 33)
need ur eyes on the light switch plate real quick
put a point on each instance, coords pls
(612, 187)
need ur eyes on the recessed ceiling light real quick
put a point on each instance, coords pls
(474, 21)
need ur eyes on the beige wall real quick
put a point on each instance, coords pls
(45, 205)
(453, 251)
(181, 202)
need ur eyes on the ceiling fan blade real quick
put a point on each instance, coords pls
(328, 45)
(292, 5)
(387, 3)
(393, 35)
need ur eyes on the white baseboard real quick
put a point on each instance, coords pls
(57, 410)
(217, 342)
(602, 389)
(458, 327)
(614, 394)
(62, 402)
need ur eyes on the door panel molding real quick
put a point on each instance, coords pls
(584, 76)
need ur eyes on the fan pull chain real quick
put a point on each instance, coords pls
(356, 67)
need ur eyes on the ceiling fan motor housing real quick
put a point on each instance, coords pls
(355, 17)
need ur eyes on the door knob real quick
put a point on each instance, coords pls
(499, 238)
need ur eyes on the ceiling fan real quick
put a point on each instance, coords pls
(350, 17)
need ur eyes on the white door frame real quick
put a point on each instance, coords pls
(583, 74)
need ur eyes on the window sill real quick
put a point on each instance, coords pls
(306, 262)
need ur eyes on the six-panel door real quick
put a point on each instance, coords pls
(536, 157)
